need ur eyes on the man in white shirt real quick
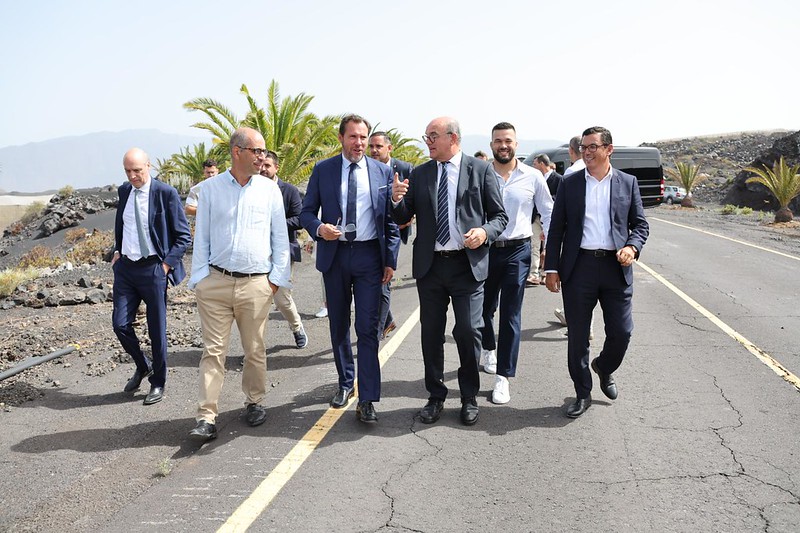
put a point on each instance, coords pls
(209, 170)
(240, 258)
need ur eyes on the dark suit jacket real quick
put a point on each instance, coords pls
(628, 223)
(404, 170)
(553, 183)
(325, 192)
(292, 205)
(169, 230)
(478, 204)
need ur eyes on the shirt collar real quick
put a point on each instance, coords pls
(610, 171)
(361, 163)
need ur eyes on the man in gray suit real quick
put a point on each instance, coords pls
(459, 211)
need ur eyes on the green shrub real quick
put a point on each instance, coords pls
(32, 212)
(73, 235)
(92, 248)
(11, 278)
(66, 191)
(728, 209)
(39, 257)
(747, 211)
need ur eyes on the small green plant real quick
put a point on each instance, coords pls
(66, 191)
(688, 175)
(32, 212)
(782, 181)
(728, 209)
(73, 235)
(11, 278)
(39, 257)
(92, 248)
(747, 211)
(164, 467)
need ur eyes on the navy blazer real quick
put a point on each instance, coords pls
(403, 169)
(169, 229)
(292, 204)
(628, 223)
(324, 192)
(479, 204)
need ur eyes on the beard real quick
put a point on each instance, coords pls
(505, 157)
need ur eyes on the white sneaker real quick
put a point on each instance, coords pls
(560, 316)
(501, 394)
(322, 313)
(489, 361)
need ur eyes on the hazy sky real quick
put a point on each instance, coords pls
(646, 70)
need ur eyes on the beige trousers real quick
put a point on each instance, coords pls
(222, 299)
(285, 304)
(536, 242)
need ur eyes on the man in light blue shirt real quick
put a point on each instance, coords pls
(240, 258)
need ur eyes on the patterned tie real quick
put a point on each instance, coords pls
(442, 220)
(351, 201)
(145, 251)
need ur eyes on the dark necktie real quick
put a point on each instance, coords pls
(143, 249)
(351, 202)
(442, 220)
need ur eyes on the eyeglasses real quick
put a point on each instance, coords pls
(345, 229)
(592, 148)
(430, 139)
(258, 152)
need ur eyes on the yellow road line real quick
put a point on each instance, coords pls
(762, 356)
(745, 243)
(255, 504)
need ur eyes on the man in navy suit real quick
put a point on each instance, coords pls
(459, 211)
(151, 236)
(597, 230)
(380, 149)
(357, 252)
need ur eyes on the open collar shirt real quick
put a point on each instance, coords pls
(525, 187)
(597, 219)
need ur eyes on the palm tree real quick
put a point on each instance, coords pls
(688, 175)
(782, 181)
(405, 148)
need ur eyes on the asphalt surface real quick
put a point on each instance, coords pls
(703, 436)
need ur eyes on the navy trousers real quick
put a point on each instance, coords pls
(356, 273)
(508, 270)
(135, 282)
(596, 279)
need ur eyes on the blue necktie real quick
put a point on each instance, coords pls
(351, 201)
(143, 249)
(442, 220)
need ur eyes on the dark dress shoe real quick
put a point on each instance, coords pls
(469, 411)
(607, 384)
(204, 431)
(256, 414)
(342, 397)
(579, 407)
(136, 380)
(431, 412)
(155, 395)
(365, 412)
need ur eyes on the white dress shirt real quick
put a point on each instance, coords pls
(365, 216)
(524, 187)
(574, 167)
(241, 229)
(456, 241)
(130, 235)
(597, 219)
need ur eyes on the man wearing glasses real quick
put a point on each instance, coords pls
(597, 230)
(241, 257)
(459, 213)
(357, 253)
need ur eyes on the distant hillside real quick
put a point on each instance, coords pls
(91, 160)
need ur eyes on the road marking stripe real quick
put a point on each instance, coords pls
(762, 356)
(727, 238)
(255, 504)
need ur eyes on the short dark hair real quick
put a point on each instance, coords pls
(605, 135)
(352, 117)
(575, 143)
(386, 138)
(480, 153)
(504, 126)
(209, 163)
(272, 155)
(543, 159)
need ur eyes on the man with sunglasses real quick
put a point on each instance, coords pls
(241, 257)
(346, 210)
(597, 230)
(459, 211)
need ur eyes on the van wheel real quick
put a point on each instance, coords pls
(670, 201)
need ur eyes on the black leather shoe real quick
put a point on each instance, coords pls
(136, 380)
(204, 431)
(256, 414)
(579, 407)
(365, 412)
(469, 411)
(607, 384)
(431, 412)
(342, 397)
(155, 395)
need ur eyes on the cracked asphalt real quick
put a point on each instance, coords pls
(703, 436)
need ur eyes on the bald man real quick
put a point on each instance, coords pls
(151, 236)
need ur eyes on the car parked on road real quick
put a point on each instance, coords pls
(673, 194)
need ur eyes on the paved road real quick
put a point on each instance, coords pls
(704, 435)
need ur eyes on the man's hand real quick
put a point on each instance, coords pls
(552, 281)
(329, 232)
(626, 255)
(115, 258)
(399, 188)
(474, 238)
(407, 224)
(272, 286)
(166, 268)
(388, 274)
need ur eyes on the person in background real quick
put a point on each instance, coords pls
(209, 170)
(480, 154)
(541, 162)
